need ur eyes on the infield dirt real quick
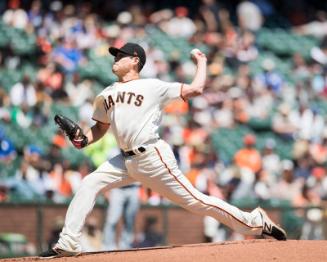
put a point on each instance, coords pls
(236, 251)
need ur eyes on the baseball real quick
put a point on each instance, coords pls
(194, 51)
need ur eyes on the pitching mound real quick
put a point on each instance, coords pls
(240, 251)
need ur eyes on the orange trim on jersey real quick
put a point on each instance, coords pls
(179, 182)
(181, 94)
(100, 121)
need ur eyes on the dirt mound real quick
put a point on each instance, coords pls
(240, 251)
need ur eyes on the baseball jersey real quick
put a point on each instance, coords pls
(134, 109)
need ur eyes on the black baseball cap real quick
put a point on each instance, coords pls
(131, 49)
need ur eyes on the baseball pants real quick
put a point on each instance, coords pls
(157, 169)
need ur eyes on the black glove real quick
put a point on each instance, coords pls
(72, 130)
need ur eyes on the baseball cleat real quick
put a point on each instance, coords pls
(57, 252)
(269, 228)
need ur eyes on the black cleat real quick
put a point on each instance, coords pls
(57, 252)
(270, 229)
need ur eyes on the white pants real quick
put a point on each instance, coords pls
(157, 169)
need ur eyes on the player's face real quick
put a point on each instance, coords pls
(123, 64)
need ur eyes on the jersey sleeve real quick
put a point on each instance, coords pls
(169, 91)
(99, 110)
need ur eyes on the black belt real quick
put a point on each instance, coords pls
(132, 153)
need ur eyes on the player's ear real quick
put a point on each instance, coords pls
(136, 59)
(136, 62)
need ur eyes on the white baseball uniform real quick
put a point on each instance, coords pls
(134, 109)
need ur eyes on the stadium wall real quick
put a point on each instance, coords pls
(177, 225)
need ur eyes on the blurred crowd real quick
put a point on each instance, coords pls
(234, 96)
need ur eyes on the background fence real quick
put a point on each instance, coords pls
(35, 222)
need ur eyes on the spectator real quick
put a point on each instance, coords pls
(67, 56)
(4, 105)
(300, 148)
(22, 116)
(288, 187)
(237, 182)
(39, 116)
(7, 150)
(239, 105)
(223, 116)
(300, 68)
(270, 161)
(62, 186)
(211, 230)
(284, 123)
(246, 50)
(259, 104)
(87, 37)
(54, 155)
(91, 239)
(23, 93)
(249, 16)
(270, 78)
(319, 53)
(318, 150)
(249, 157)
(58, 223)
(312, 228)
(79, 91)
(36, 173)
(303, 167)
(307, 197)
(33, 155)
(262, 185)
(317, 28)
(181, 25)
(21, 186)
(59, 140)
(123, 202)
(15, 16)
(4, 196)
(35, 14)
(318, 182)
(309, 123)
(50, 77)
(150, 237)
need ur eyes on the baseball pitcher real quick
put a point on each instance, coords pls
(132, 108)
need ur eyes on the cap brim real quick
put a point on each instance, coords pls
(114, 51)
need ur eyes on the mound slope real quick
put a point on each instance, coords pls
(240, 251)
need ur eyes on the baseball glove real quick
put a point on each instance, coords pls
(72, 130)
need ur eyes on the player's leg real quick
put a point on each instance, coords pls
(110, 174)
(157, 169)
(117, 199)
